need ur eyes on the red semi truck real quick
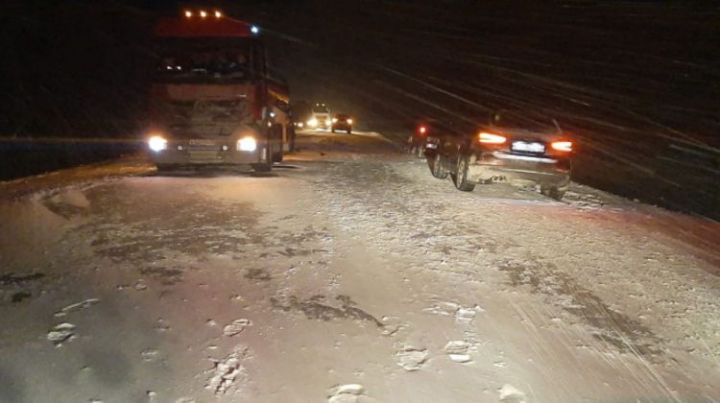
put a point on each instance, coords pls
(213, 100)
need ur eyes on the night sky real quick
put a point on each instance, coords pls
(642, 65)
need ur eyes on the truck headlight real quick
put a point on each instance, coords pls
(157, 143)
(334, 120)
(312, 122)
(349, 121)
(247, 144)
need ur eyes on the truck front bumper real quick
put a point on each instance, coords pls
(501, 167)
(208, 152)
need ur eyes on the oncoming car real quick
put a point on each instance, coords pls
(513, 146)
(342, 121)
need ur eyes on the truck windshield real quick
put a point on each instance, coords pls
(193, 59)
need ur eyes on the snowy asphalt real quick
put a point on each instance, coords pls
(349, 274)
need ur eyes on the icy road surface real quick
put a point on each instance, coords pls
(347, 275)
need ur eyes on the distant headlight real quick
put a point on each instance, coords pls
(312, 122)
(349, 121)
(157, 143)
(247, 144)
(300, 124)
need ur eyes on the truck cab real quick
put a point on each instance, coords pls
(211, 100)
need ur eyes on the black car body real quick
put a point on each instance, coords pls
(513, 146)
(342, 121)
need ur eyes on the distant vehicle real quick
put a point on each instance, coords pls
(416, 142)
(342, 121)
(212, 99)
(320, 118)
(302, 112)
(513, 146)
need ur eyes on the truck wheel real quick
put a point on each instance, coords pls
(277, 157)
(437, 169)
(332, 130)
(265, 167)
(460, 178)
(165, 167)
(349, 131)
(553, 192)
(291, 139)
(291, 144)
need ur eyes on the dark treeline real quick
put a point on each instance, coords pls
(72, 68)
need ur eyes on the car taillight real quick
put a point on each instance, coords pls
(563, 146)
(490, 138)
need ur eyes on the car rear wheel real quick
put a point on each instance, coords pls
(461, 178)
(437, 169)
(553, 192)
(265, 167)
(291, 147)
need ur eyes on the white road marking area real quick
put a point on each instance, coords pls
(411, 358)
(236, 327)
(60, 333)
(228, 372)
(348, 275)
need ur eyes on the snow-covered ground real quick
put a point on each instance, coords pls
(348, 275)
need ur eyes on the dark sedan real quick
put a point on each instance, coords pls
(514, 146)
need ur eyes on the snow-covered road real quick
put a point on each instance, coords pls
(348, 274)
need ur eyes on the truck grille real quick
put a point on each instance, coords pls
(203, 156)
(203, 147)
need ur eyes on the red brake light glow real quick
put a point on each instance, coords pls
(490, 138)
(564, 146)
